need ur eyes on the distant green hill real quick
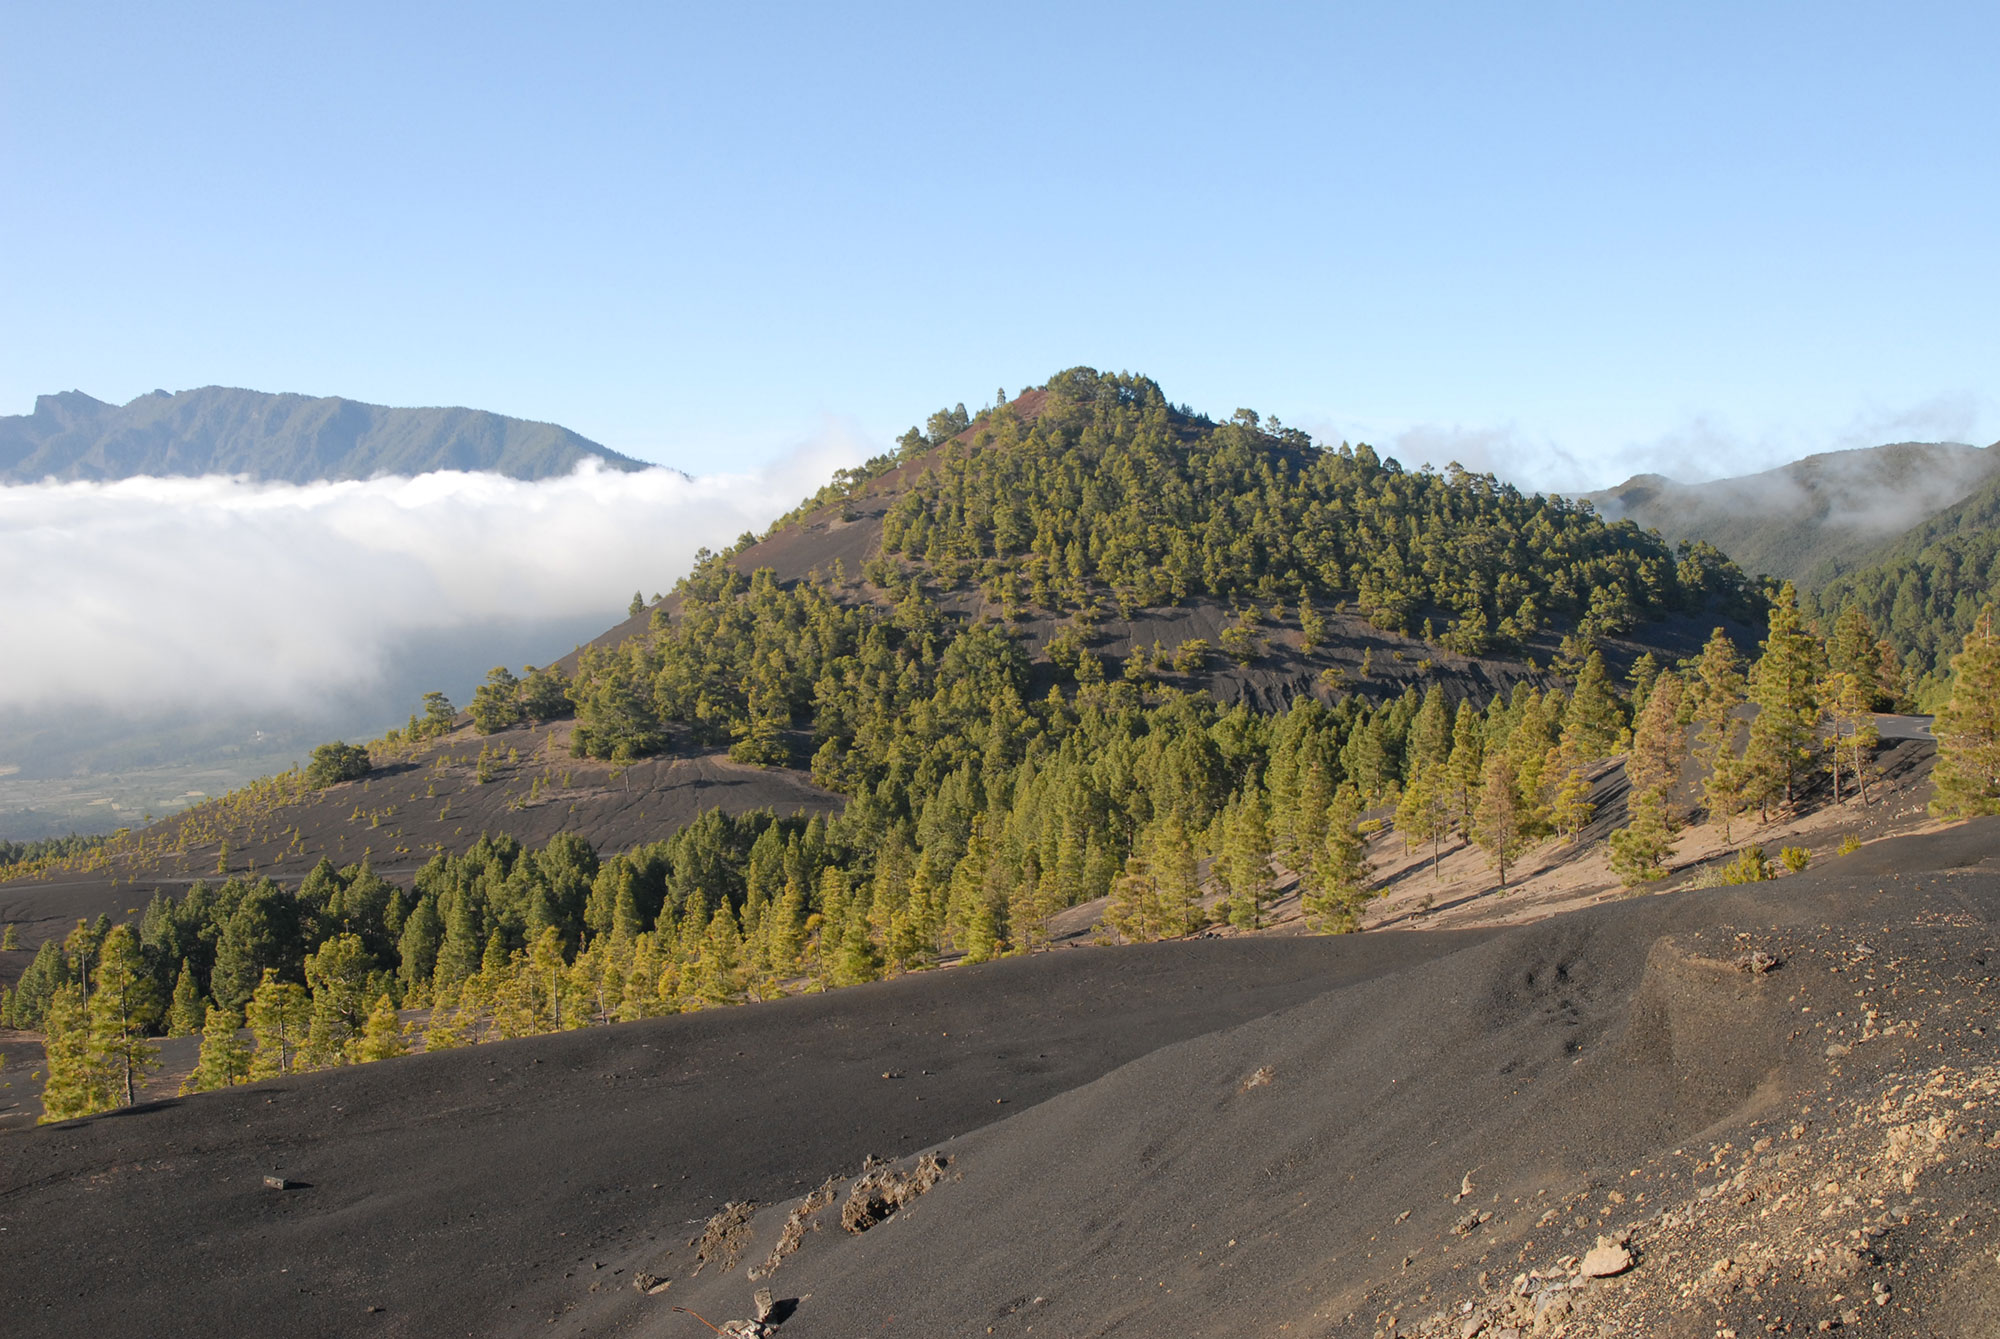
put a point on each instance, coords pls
(277, 438)
(1923, 589)
(1804, 520)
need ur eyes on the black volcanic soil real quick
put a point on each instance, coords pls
(477, 1191)
(1376, 1134)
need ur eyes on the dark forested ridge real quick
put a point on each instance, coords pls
(1924, 590)
(1799, 520)
(288, 438)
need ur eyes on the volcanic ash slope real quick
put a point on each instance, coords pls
(1746, 1108)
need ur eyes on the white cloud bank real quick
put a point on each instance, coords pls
(1701, 448)
(218, 593)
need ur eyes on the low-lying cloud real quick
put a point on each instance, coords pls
(1701, 448)
(159, 594)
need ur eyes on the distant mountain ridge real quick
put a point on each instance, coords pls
(277, 438)
(1803, 520)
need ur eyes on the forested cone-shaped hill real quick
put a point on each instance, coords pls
(288, 438)
(1089, 647)
(1805, 520)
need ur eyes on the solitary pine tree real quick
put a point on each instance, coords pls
(225, 1057)
(1499, 823)
(1130, 912)
(1968, 728)
(1851, 648)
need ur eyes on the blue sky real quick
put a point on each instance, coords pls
(1563, 240)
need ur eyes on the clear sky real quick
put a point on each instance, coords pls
(1561, 239)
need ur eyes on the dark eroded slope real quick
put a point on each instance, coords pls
(1306, 1172)
(476, 1191)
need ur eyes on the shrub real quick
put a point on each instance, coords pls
(337, 762)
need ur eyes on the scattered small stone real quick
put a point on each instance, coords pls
(765, 1304)
(1260, 1079)
(1837, 1050)
(278, 1183)
(1605, 1259)
(1471, 1221)
(1757, 962)
(650, 1284)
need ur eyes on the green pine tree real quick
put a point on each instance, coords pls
(382, 1035)
(225, 1057)
(1718, 691)
(279, 1014)
(1659, 740)
(123, 1007)
(1500, 821)
(1245, 865)
(857, 959)
(338, 976)
(1967, 775)
(73, 1085)
(1339, 884)
(1591, 725)
(1853, 734)
(1464, 769)
(1572, 809)
(186, 1017)
(717, 974)
(1422, 816)
(1784, 685)
(1640, 850)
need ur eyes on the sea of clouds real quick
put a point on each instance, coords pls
(160, 594)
